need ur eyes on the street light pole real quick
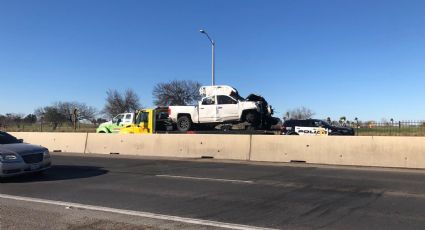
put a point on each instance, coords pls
(213, 64)
(213, 56)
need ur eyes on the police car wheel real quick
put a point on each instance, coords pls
(293, 134)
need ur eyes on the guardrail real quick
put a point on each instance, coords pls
(401, 152)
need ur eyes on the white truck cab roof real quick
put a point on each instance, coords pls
(207, 91)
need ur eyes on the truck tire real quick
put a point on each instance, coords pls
(252, 118)
(184, 123)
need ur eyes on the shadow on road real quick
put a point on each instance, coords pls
(58, 172)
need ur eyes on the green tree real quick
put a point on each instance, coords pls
(51, 115)
(30, 118)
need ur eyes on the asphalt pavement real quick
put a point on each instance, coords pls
(280, 196)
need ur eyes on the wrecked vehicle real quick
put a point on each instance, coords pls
(223, 104)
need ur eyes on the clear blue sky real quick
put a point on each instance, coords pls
(359, 58)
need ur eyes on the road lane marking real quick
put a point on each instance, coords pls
(135, 213)
(208, 179)
(291, 185)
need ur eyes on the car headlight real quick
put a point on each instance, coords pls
(8, 157)
(46, 154)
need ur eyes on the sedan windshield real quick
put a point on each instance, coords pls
(6, 138)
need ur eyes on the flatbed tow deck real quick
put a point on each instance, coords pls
(156, 121)
(234, 132)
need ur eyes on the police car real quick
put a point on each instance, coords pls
(314, 127)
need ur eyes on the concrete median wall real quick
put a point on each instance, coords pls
(64, 142)
(403, 152)
(234, 147)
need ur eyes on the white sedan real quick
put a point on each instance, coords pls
(18, 158)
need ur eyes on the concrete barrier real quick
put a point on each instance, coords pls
(233, 147)
(404, 152)
(64, 142)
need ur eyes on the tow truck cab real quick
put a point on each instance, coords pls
(149, 121)
(114, 125)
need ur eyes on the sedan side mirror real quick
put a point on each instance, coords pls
(20, 140)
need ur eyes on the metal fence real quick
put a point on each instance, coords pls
(399, 128)
(47, 127)
(395, 128)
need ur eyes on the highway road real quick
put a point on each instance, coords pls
(209, 194)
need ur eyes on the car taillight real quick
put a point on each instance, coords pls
(169, 111)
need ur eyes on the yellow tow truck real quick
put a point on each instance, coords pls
(149, 121)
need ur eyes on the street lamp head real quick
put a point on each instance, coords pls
(202, 31)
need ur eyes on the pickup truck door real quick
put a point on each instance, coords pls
(208, 110)
(227, 108)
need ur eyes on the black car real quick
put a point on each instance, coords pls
(314, 127)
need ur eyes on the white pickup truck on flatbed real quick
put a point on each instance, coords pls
(221, 104)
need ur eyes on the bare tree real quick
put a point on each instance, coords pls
(61, 112)
(176, 93)
(385, 121)
(118, 103)
(11, 119)
(300, 113)
(84, 112)
(2, 120)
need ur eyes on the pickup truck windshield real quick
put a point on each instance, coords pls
(7, 139)
(237, 96)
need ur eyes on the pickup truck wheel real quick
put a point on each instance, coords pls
(252, 118)
(184, 124)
